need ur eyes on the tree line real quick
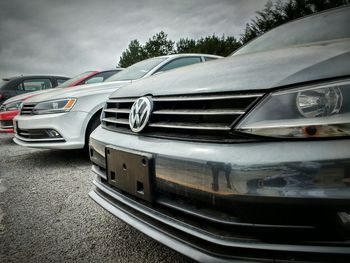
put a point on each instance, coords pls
(275, 13)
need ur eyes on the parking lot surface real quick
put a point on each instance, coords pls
(47, 216)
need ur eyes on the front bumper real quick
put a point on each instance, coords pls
(229, 191)
(6, 124)
(70, 126)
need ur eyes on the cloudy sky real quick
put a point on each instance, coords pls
(69, 37)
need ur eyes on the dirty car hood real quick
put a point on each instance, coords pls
(255, 71)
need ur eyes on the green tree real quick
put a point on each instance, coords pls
(134, 53)
(277, 12)
(186, 45)
(159, 45)
(208, 45)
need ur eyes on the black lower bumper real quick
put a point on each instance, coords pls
(200, 243)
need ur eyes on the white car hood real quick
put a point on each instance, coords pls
(79, 91)
(25, 96)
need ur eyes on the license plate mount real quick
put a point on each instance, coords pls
(131, 171)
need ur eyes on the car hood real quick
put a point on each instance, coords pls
(79, 91)
(25, 96)
(255, 71)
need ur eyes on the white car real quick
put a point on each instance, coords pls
(64, 119)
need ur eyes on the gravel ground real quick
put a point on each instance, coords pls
(47, 216)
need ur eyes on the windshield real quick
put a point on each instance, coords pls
(137, 70)
(74, 79)
(322, 27)
(3, 83)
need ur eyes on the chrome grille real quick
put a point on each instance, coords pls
(27, 108)
(191, 117)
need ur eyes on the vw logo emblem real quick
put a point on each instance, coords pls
(140, 113)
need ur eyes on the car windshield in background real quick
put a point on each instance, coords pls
(137, 70)
(308, 30)
(3, 83)
(74, 79)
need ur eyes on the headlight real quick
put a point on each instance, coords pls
(310, 112)
(54, 106)
(12, 105)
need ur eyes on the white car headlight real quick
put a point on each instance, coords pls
(54, 106)
(12, 105)
(315, 111)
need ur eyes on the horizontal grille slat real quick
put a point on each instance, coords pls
(212, 97)
(117, 110)
(199, 112)
(120, 100)
(27, 108)
(200, 117)
(181, 125)
(117, 121)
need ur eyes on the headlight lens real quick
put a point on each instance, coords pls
(12, 106)
(309, 112)
(54, 106)
(319, 102)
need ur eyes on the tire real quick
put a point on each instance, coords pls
(93, 124)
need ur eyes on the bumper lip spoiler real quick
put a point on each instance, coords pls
(156, 234)
(186, 248)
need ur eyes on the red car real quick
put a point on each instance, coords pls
(10, 108)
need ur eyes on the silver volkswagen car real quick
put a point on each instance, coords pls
(245, 158)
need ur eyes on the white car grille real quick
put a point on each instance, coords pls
(27, 108)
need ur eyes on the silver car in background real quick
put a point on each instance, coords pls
(246, 158)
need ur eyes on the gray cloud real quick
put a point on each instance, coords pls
(68, 37)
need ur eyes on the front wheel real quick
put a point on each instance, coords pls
(93, 124)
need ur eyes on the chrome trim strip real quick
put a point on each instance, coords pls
(6, 127)
(120, 100)
(115, 120)
(116, 110)
(26, 107)
(28, 133)
(180, 125)
(39, 140)
(199, 112)
(209, 97)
